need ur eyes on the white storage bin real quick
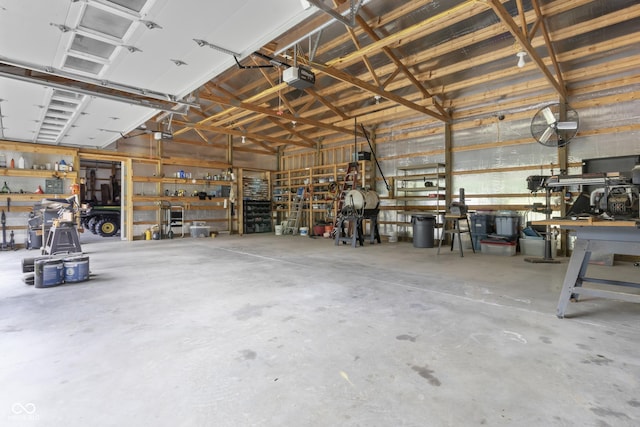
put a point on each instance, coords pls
(200, 231)
(535, 247)
(498, 248)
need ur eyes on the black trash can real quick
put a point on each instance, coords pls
(423, 226)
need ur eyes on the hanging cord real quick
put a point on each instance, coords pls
(366, 135)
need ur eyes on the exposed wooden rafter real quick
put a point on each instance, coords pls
(513, 28)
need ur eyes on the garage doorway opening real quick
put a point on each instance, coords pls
(102, 198)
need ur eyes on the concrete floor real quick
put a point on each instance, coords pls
(265, 330)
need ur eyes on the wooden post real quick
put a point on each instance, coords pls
(448, 161)
(128, 166)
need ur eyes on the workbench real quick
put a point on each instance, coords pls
(616, 237)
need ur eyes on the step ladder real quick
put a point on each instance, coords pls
(349, 183)
(293, 220)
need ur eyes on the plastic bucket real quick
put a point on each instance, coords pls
(318, 230)
(423, 226)
(76, 269)
(278, 230)
(48, 273)
(304, 231)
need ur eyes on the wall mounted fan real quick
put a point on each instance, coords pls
(548, 129)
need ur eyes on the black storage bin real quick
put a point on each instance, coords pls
(423, 226)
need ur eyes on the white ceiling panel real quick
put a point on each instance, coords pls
(125, 43)
(22, 107)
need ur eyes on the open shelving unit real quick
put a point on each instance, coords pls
(202, 193)
(322, 185)
(419, 189)
(24, 182)
(256, 201)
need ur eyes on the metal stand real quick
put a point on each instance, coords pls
(548, 257)
(356, 222)
(176, 219)
(455, 229)
(62, 238)
(616, 240)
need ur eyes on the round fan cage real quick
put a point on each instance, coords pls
(552, 130)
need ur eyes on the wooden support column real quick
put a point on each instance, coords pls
(238, 207)
(319, 160)
(230, 150)
(563, 163)
(448, 161)
(374, 167)
(128, 211)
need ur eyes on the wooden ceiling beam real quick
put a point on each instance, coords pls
(523, 18)
(547, 41)
(394, 58)
(326, 103)
(342, 76)
(511, 25)
(481, 80)
(268, 112)
(234, 132)
(556, 7)
(282, 98)
(356, 43)
(292, 131)
(442, 20)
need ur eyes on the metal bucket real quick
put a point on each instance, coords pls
(48, 273)
(76, 269)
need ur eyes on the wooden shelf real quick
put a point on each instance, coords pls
(421, 166)
(37, 173)
(420, 177)
(184, 181)
(31, 197)
(420, 189)
(177, 199)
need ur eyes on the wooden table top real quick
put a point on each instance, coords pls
(587, 222)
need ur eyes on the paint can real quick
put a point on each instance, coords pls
(304, 231)
(48, 272)
(76, 269)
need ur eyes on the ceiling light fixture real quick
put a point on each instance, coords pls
(151, 25)
(61, 27)
(521, 56)
(132, 49)
(203, 43)
(377, 98)
(244, 139)
(178, 62)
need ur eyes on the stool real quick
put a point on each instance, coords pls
(62, 237)
(454, 221)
